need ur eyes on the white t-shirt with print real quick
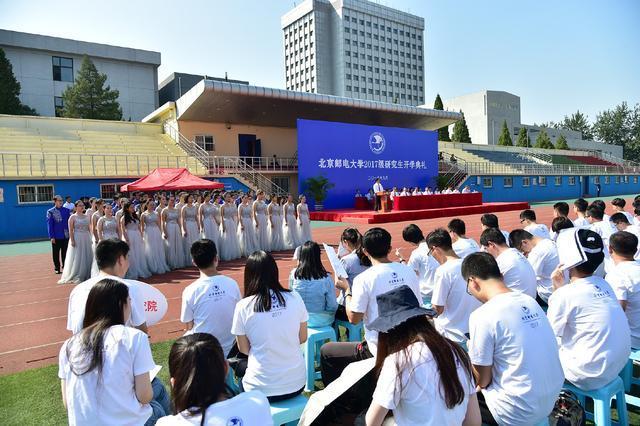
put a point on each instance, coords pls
(450, 291)
(465, 246)
(592, 332)
(544, 260)
(581, 222)
(110, 399)
(624, 278)
(538, 229)
(517, 271)
(511, 333)
(415, 394)
(247, 409)
(276, 365)
(604, 229)
(376, 280)
(80, 293)
(425, 266)
(210, 302)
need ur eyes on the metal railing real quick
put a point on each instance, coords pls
(41, 164)
(455, 170)
(189, 147)
(261, 164)
(613, 159)
(487, 168)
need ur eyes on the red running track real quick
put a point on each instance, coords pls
(33, 307)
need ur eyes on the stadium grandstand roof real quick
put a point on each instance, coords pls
(220, 101)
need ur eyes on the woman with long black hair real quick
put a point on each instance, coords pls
(354, 264)
(423, 377)
(270, 323)
(132, 235)
(105, 368)
(198, 369)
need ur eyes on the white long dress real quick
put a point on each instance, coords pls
(229, 244)
(193, 234)
(210, 226)
(305, 223)
(153, 246)
(109, 231)
(262, 223)
(247, 232)
(94, 239)
(173, 245)
(290, 228)
(276, 238)
(137, 260)
(77, 265)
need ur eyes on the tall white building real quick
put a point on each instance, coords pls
(354, 48)
(45, 66)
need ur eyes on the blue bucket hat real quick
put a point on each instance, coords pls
(396, 307)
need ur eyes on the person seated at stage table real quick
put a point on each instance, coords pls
(358, 193)
(427, 191)
(437, 191)
(416, 191)
(466, 189)
(455, 191)
(394, 193)
(405, 192)
(370, 195)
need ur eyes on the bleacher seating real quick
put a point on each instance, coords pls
(591, 161)
(41, 146)
(563, 159)
(504, 157)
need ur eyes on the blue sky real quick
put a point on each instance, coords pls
(558, 56)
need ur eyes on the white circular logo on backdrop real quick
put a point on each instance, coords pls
(376, 142)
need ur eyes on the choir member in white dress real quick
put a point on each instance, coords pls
(190, 230)
(107, 226)
(173, 241)
(209, 225)
(229, 245)
(246, 229)
(162, 204)
(305, 221)
(93, 228)
(130, 231)
(274, 210)
(77, 266)
(153, 246)
(290, 225)
(120, 211)
(262, 223)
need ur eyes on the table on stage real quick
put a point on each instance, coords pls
(435, 201)
(361, 203)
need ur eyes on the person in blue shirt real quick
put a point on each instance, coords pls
(314, 284)
(58, 230)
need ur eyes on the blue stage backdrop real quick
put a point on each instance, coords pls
(351, 156)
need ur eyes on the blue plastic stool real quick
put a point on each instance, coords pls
(231, 382)
(627, 372)
(289, 411)
(353, 330)
(602, 402)
(315, 337)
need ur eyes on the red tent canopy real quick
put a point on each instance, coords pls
(170, 180)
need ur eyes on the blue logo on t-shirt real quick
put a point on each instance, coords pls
(234, 421)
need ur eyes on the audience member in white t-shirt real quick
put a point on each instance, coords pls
(466, 190)
(624, 278)
(542, 254)
(354, 263)
(517, 271)
(595, 216)
(462, 245)
(198, 370)
(420, 260)
(618, 205)
(602, 206)
(580, 209)
(423, 378)
(636, 215)
(112, 258)
(528, 219)
(270, 324)
(209, 302)
(589, 324)
(490, 220)
(560, 209)
(621, 223)
(512, 349)
(450, 298)
(105, 368)
(381, 277)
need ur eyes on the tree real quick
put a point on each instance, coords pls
(10, 90)
(505, 136)
(443, 133)
(561, 143)
(548, 125)
(523, 138)
(620, 126)
(543, 141)
(88, 98)
(461, 131)
(578, 122)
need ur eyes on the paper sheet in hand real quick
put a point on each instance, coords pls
(337, 266)
(570, 251)
(154, 372)
(321, 399)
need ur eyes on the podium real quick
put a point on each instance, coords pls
(384, 202)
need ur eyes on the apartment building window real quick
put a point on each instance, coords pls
(635, 179)
(487, 182)
(526, 181)
(109, 190)
(348, 88)
(572, 180)
(58, 105)
(607, 180)
(558, 180)
(62, 69)
(282, 182)
(617, 180)
(205, 142)
(542, 180)
(35, 194)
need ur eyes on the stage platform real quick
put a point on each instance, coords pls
(369, 216)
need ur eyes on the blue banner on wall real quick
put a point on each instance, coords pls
(351, 156)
